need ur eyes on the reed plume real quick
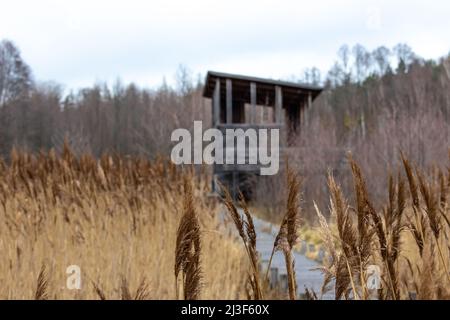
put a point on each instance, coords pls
(343, 272)
(41, 292)
(188, 249)
(143, 291)
(98, 291)
(433, 212)
(417, 224)
(246, 230)
(287, 236)
(329, 264)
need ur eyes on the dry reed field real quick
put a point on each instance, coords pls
(408, 238)
(406, 241)
(115, 218)
(146, 230)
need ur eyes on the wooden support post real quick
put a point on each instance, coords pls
(300, 115)
(253, 102)
(216, 103)
(305, 116)
(308, 106)
(309, 100)
(216, 121)
(278, 104)
(229, 101)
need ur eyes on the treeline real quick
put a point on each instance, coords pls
(357, 65)
(125, 118)
(376, 104)
(395, 103)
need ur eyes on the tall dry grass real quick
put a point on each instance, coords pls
(117, 219)
(146, 230)
(285, 241)
(407, 238)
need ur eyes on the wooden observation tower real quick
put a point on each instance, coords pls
(243, 102)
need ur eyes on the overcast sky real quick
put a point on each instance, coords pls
(77, 42)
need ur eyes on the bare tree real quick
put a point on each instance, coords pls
(311, 76)
(405, 57)
(362, 62)
(344, 56)
(15, 75)
(381, 56)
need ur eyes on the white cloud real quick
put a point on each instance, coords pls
(79, 42)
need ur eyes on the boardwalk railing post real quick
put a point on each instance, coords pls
(273, 281)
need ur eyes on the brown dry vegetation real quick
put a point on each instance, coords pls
(116, 218)
(147, 230)
(408, 238)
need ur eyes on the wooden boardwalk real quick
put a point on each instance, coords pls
(305, 269)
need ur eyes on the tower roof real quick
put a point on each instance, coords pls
(292, 92)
